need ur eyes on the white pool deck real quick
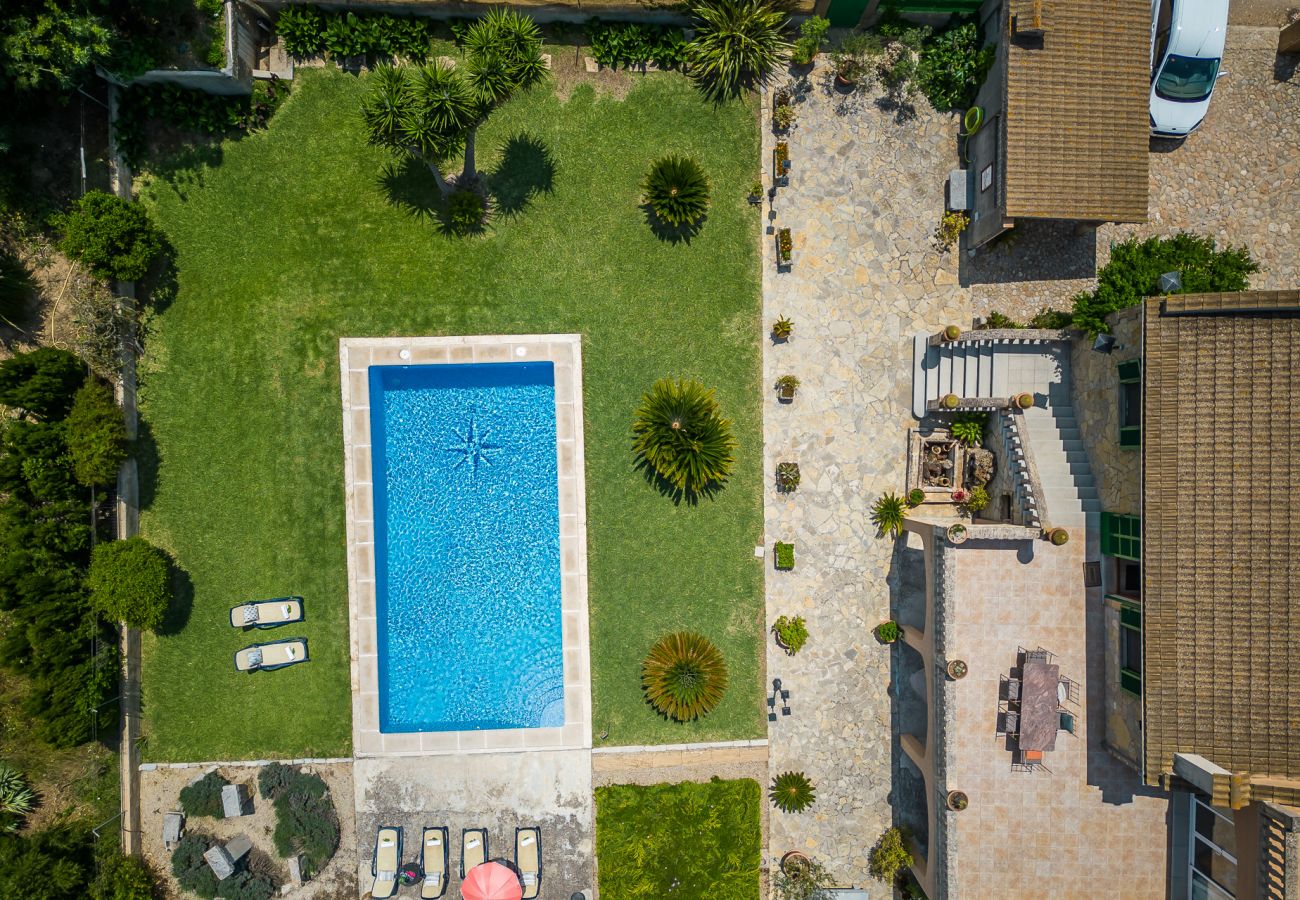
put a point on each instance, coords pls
(356, 355)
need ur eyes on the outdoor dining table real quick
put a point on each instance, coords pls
(1039, 715)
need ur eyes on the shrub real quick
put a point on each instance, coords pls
(782, 328)
(189, 867)
(16, 799)
(465, 212)
(188, 109)
(203, 797)
(55, 863)
(784, 116)
(635, 44)
(969, 428)
(787, 475)
(737, 45)
(792, 792)
(952, 67)
(890, 855)
(680, 434)
(1000, 321)
(787, 382)
(915, 497)
(809, 882)
(305, 819)
(887, 632)
(812, 37)
(977, 501)
(784, 554)
(112, 236)
(677, 190)
(854, 58)
(684, 676)
(42, 382)
(125, 878)
(1052, 318)
(1135, 267)
(793, 632)
(887, 514)
(130, 581)
(95, 432)
(948, 231)
(246, 886)
(15, 287)
(300, 27)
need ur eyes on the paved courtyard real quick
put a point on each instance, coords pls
(864, 198)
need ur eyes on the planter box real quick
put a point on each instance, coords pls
(781, 164)
(784, 262)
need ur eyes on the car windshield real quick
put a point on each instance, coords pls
(1186, 78)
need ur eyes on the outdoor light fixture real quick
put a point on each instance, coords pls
(404, 354)
(1105, 343)
(1171, 282)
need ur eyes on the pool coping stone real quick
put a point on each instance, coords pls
(356, 355)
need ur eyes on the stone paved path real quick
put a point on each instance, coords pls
(864, 198)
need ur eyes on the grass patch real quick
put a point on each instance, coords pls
(679, 840)
(294, 237)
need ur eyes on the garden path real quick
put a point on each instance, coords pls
(865, 195)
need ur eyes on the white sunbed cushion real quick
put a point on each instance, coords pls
(529, 878)
(255, 657)
(434, 841)
(526, 839)
(472, 842)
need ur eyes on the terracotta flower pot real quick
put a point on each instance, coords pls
(957, 800)
(956, 669)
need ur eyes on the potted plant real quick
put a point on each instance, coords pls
(951, 332)
(960, 495)
(957, 800)
(791, 633)
(977, 499)
(784, 248)
(785, 387)
(956, 669)
(888, 513)
(852, 60)
(957, 534)
(888, 631)
(950, 401)
(781, 163)
(787, 476)
(782, 328)
(948, 231)
(783, 117)
(812, 35)
(801, 878)
(755, 196)
(1024, 400)
(784, 556)
(915, 497)
(796, 864)
(1058, 536)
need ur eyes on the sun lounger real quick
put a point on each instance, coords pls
(434, 861)
(473, 849)
(387, 859)
(275, 655)
(267, 613)
(528, 859)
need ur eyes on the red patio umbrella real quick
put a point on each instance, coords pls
(491, 881)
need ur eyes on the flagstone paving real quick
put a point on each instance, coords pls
(865, 194)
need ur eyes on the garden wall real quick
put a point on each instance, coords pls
(542, 10)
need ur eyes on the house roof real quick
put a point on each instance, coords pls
(1076, 115)
(1221, 531)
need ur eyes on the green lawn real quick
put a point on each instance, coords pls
(291, 240)
(679, 840)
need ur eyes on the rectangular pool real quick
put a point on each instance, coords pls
(467, 546)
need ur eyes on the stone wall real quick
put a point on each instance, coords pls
(1123, 711)
(1095, 391)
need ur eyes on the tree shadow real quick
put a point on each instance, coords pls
(902, 109)
(672, 234)
(526, 169)
(183, 168)
(674, 493)
(158, 288)
(178, 612)
(145, 451)
(410, 186)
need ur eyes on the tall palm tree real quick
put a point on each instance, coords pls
(503, 57)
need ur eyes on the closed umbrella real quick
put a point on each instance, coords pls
(491, 881)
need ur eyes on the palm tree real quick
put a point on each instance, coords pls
(16, 798)
(503, 57)
(684, 676)
(737, 44)
(680, 433)
(677, 190)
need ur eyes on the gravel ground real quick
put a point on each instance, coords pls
(159, 794)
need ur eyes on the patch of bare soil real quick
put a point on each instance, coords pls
(160, 794)
(569, 69)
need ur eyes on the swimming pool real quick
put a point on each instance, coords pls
(467, 546)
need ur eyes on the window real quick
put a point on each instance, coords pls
(1128, 579)
(1130, 403)
(986, 178)
(1121, 536)
(1186, 79)
(1213, 860)
(1130, 647)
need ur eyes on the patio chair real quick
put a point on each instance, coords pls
(267, 657)
(1039, 655)
(473, 849)
(385, 862)
(1009, 689)
(433, 859)
(528, 860)
(1010, 724)
(267, 613)
(1068, 690)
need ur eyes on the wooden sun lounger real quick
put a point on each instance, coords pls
(275, 655)
(267, 613)
(528, 859)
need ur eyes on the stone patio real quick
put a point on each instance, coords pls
(865, 195)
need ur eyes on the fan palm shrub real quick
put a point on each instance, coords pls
(792, 792)
(684, 676)
(887, 513)
(737, 45)
(677, 190)
(16, 798)
(680, 434)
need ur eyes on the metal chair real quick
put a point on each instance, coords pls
(1068, 690)
(1009, 724)
(1040, 655)
(1009, 689)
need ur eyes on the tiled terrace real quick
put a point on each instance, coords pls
(1087, 827)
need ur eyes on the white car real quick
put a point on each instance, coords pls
(1187, 39)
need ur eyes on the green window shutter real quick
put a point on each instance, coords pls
(1121, 536)
(1130, 617)
(1131, 370)
(1131, 682)
(1130, 436)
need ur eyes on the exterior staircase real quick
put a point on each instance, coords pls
(997, 365)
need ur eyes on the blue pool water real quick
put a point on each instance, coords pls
(467, 546)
